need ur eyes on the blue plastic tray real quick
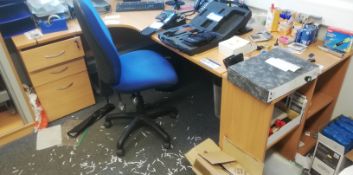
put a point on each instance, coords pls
(56, 25)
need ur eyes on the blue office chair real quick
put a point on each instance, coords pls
(127, 73)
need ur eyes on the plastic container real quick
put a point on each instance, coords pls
(53, 25)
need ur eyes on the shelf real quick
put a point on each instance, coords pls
(290, 130)
(11, 12)
(12, 15)
(309, 143)
(283, 131)
(4, 96)
(9, 122)
(319, 101)
(17, 28)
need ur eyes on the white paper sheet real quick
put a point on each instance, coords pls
(49, 137)
(282, 64)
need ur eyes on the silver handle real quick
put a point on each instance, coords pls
(66, 87)
(54, 56)
(59, 71)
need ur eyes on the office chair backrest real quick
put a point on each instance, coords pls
(99, 40)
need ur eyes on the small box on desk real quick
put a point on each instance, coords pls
(271, 75)
(235, 46)
(331, 156)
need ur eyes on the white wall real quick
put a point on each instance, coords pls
(337, 13)
(345, 100)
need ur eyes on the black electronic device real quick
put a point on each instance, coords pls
(216, 19)
(201, 4)
(139, 5)
(167, 19)
(97, 115)
(233, 59)
(170, 19)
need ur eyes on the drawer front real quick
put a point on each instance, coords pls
(52, 54)
(57, 72)
(66, 96)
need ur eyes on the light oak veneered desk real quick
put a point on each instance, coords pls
(244, 120)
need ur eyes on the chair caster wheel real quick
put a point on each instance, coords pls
(120, 152)
(108, 124)
(166, 145)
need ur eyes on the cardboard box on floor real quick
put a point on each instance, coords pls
(208, 159)
(329, 157)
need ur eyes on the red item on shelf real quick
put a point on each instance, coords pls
(280, 123)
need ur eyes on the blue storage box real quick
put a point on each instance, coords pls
(55, 25)
(333, 150)
(341, 131)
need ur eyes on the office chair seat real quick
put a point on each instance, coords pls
(144, 69)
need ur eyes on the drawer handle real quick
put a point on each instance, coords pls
(54, 56)
(59, 71)
(66, 87)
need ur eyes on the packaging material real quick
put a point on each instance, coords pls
(338, 40)
(271, 75)
(261, 36)
(208, 159)
(235, 46)
(272, 19)
(333, 150)
(41, 118)
(286, 22)
(43, 8)
(307, 34)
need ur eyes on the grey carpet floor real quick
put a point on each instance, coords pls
(144, 152)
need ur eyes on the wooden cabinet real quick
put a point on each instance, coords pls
(245, 120)
(59, 76)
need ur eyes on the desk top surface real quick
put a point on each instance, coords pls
(138, 20)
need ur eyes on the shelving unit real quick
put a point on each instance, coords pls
(245, 120)
(9, 122)
(16, 116)
(4, 96)
(319, 101)
(15, 18)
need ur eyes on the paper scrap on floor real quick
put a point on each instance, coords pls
(49, 137)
